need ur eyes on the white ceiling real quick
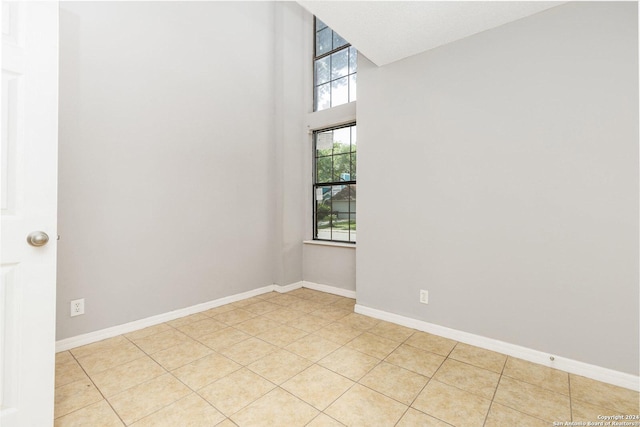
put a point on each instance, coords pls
(387, 31)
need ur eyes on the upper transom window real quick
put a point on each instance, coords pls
(335, 63)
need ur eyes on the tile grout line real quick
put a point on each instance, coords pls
(99, 391)
(504, 365)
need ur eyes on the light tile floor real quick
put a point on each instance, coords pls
(306, 359)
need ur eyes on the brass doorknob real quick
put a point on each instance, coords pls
(37, 238)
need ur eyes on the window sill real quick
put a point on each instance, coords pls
(334, 244)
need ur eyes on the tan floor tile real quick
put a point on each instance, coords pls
(282, 335)
(117, 379)
(305, 306)
(339, 333)
(248, 351)
(479, 357)
(247, 302)
(108, 358)
(276, 408)
(154, 343)
(279, 366)
(313, 347)
(99, 347)
(284, 315)
(623, 400)
(227, 423)
(330, 312)
(218, 310)
(68, 371)
(234, 317)
(324, 298)
(500, 416)
(75, 395)
(64, 357)
(360, 405)
(309, 323)
(532, 373)
(223, 338)
(350, 363)
(452, 405)
(235, 391)
(373, 345)
(181, 321)
(146, 398)
(96, 415)
(192, 411)
(262, 307)
(392, 331)
(303, 293)
(395, 382)
(318, 386)
(257, 325)
(202, 327)
(346, 303)
(469, 378)
(205, 371)
(268, 295)
(416, 360)
(532, 400)
(414, 418)
(432, 343)
(146, 332)
(323, 420)
(581, 411)
(181, 354)
(358, 321)
(284, 299)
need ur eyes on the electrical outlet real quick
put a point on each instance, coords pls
(424, 296)
(77, 307)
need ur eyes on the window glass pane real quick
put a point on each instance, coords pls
(324, 143)
(323, 70)
(320, 25)
(354, 138)
(352, 226)
(323, 96)
(339, 91)
(341, 138)
(323, 41)
(354, 167)
(352, 88)
(341, 167)
(352, 214)
(353, 60)
(338, 41)
(323, 169)
(339, 64)
(323, 212)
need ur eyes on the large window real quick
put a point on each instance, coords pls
(335, 65)
(334, 188)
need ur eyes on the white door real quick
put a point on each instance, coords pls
(28, 178)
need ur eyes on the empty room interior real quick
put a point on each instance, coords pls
(216, 265)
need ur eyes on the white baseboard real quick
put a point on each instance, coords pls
(329, 289)
(287, 288)
(598, 373)
(91, 337)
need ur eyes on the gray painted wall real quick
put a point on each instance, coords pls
(330, 265)
(166, 157)
(500, 173)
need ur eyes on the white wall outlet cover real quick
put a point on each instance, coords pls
(424, 297)
(77, 307)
